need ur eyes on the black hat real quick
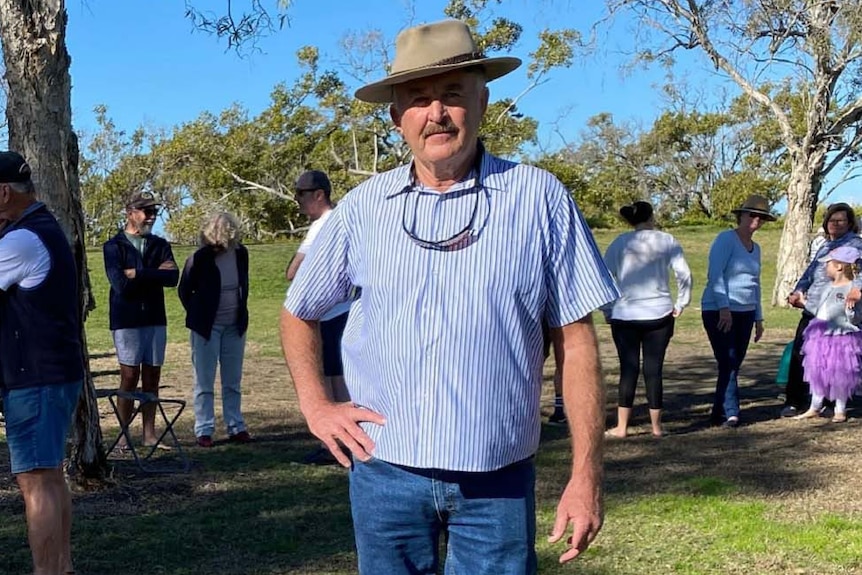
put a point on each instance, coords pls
(13, 168)
(313, 180)
(141, 200)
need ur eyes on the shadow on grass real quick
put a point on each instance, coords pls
(752, 459)
(265, 524)
(250, 509)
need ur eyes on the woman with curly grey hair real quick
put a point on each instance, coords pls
(214, 292)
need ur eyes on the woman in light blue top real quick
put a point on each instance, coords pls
(731, 303)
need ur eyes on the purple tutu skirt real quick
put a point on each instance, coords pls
(832, 363)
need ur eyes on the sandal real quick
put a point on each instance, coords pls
(839, 418)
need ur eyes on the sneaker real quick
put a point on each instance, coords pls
(731, 421)
(320, 456)
(241, 437)
(789, 411)
(205, 441)
(558, 418)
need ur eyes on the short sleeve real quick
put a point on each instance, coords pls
(577, 279)
(322, 280)
(24, 260)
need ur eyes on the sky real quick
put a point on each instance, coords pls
(145, 62)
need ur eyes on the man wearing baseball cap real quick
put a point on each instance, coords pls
(460, 255)
(41, 358)
(313, 193)
(139, 265)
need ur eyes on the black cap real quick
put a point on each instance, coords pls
(13, 168)
(313, 180)
(141, 200)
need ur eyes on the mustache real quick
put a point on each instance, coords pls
(439, 129)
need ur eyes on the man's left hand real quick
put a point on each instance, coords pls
(130, 273)
(581, 507)
(758, 330)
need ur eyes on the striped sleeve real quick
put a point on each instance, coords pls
(322, 280)
(577, 279)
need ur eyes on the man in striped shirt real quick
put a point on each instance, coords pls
(459, 256)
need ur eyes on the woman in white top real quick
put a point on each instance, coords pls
(643, 317)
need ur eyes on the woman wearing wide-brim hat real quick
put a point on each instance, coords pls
(731, 306)
(841, 229)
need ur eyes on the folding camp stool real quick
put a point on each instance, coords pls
(167, 438)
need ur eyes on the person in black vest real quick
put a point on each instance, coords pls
(214, 293)
(41, 358)
(139, 265)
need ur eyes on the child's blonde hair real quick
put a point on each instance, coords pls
(848, 269)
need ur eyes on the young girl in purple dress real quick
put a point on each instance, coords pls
(832, 342)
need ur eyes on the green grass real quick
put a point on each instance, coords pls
(756, 500)
(267, 289)
(266, 295)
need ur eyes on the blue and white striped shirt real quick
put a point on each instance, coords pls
(448, 344)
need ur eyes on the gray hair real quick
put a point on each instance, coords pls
(221, 231)
(23, 187)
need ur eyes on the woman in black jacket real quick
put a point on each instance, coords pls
(214, 293)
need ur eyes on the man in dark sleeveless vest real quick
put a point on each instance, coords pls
(41, 361)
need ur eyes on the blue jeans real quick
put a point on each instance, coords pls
(225, 347)
(729, 349)
(400, 512)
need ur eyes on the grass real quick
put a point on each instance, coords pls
(772, 497)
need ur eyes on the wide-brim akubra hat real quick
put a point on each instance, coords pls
(432, 49)
(757, 205)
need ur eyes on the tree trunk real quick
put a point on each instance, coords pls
(803, 192)
(39, 112)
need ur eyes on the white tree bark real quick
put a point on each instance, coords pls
(802, 193)
(38, 109)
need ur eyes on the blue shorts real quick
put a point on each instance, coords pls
(37, 422)
(141, 345)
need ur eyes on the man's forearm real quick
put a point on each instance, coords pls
(300, 342)
(584, 398)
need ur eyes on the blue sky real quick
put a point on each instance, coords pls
(143, 60)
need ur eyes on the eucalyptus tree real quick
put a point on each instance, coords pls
(813, 45)
(39, 115)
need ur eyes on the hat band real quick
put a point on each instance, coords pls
(460, 58)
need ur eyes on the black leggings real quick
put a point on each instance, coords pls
(653, 336)
(797, 390)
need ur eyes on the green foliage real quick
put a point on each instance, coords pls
(246, 164)
(112, 166)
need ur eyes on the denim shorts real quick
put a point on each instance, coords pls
(37, 422)
(141, 345)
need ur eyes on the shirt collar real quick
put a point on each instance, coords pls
(479, 170)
